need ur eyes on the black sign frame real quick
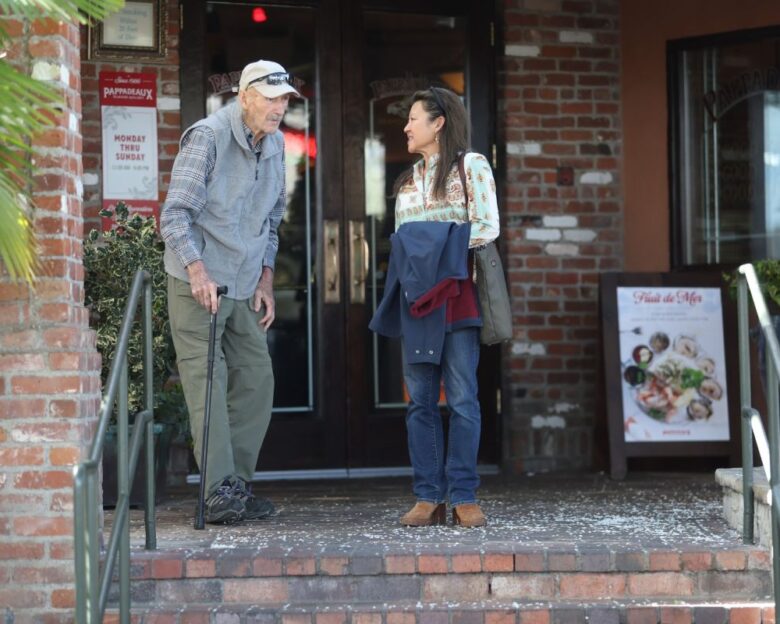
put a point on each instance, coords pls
(620, 450)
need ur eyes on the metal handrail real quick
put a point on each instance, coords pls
(92, 585)
(752, 426)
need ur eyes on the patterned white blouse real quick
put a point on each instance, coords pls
(415, 201)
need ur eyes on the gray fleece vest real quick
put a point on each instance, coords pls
(232, 230)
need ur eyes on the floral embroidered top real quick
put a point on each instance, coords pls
(415, 201)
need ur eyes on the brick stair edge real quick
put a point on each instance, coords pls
(726, 612)
(190, 565)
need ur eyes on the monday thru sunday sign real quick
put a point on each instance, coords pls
(128, 105)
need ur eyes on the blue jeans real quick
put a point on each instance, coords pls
(435, 477)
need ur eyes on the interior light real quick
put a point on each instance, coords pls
(258, 15)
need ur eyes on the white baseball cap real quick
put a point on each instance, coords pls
(269, 78)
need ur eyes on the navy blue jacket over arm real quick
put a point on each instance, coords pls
(423, 255)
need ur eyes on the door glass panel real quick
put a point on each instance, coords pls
(729, 113)
(286, 35)
(404, 53)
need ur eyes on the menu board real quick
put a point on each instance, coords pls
(669, 347)
(672, 364)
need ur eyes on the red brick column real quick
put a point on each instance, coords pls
(49, 368)
(559, 96)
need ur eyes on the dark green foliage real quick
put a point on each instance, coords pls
(768, 273)
(111, 260)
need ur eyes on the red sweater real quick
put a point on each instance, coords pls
(460, 298)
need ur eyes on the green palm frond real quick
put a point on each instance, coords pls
(65, 10)
(27, 107)
(17, 242)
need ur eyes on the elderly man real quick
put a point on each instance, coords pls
(220, 219)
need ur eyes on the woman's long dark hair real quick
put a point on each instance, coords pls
(454, 137)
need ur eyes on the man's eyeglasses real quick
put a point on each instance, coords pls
(436, 97)
(275, 79)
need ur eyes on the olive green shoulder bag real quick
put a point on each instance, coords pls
(491, 284)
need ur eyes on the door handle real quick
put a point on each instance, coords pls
(331, 251)
(358, 261)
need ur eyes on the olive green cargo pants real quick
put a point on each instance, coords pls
(242, 387)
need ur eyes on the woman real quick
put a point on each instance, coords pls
(438, 129)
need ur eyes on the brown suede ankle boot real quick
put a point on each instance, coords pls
(468, 515)
(425, 514)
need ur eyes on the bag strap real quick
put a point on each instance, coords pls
(462, 172)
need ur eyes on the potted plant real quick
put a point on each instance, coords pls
(768, 274)
(111, 260)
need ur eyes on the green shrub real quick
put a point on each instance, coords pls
(111, 260)
(768, 274)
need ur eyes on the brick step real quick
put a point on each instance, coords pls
(274, 591)
(442, 559)
(238, 576)
(483, 612)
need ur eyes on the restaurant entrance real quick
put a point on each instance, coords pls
(340, 400)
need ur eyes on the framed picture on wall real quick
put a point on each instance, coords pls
(670, 385)
(135, 32)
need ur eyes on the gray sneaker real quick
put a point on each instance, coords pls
(255, 507)
(223, 507)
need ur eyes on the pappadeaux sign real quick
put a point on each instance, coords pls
(128, 105)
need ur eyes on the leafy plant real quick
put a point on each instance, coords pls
(768, 273)
(28, 106)
(111, 261)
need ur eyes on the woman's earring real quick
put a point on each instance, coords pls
(436, 138)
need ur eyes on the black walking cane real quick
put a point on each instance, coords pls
(199, 516)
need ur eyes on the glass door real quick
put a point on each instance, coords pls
(308, 429)
(403, 48)
(339, 403)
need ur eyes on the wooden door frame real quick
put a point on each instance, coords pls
(340, 122)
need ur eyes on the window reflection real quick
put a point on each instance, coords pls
(404, 53)
(286, 36)
(729, 147)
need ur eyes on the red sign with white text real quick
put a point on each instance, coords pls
(128, 104)
(126, 89)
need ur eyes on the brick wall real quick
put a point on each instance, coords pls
(168, 116)
(559, 117)
(558, 112)
(558, 108)
(49, 369)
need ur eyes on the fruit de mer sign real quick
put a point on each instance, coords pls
(128, 106)
(672, 364)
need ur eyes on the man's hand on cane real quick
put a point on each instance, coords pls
(204, 291)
